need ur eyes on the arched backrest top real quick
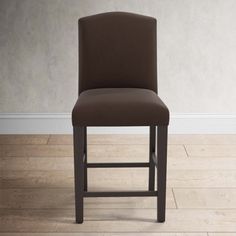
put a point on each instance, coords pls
(117, 50)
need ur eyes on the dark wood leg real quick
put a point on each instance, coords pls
(79, 172)
(152, 145)
(85, 161)
(161, 171)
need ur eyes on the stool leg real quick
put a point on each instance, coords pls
(85, 161)
(152, 145)
(78, 133)
(161, 171)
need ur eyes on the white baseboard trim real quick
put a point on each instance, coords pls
(60, 123)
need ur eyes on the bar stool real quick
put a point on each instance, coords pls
(118, 87)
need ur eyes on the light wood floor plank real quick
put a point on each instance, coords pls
(211, 150)
(202, 178)
(128, 139)
(99, 179)
(36, 150)
(220, 139)
(36, 179)
(119, 151)
(118, 220)
(155, 234)
(206, 198)
(59, 234)
(206, 163)
(23, 139)
(131, 151)
(66, 163)
(222, 234)
(104, 234)
(135, 178)
(40, 164)
(56, 139)
(64, 198)
(117, 139)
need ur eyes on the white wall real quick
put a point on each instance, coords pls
(196, 53)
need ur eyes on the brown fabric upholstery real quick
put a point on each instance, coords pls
(119, 106)
(118, 72)
(117, 50)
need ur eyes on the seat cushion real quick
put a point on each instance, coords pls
(119, 107)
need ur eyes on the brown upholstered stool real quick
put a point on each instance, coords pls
(118, 87)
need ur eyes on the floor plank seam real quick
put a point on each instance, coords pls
(185, 149)
(172, 189)
(49, 137)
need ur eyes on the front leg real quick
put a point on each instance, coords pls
(161, 171)
(78, 133)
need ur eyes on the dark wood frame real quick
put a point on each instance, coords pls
(159, 160)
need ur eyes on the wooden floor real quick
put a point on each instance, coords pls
(37, 198)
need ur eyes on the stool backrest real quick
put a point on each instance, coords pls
(117, 50)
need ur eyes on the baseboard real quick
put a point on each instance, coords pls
(60, 123)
